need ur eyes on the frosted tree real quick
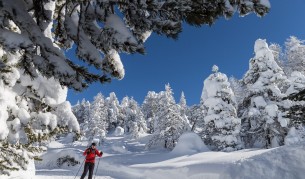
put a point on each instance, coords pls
(183, 109)
(294, 102)
(278, 54)
(81, 111)
(221, 125)
(76, 110)
(294, 107)
(135, 123)
(263, 124)
(182, 103)
(123, 112)
(295, 54)
(295, 111)
(113, 107)
(195, 115)
(96, 125)
(169, 124)
(32, 112)
(149, 109)
(239, 90)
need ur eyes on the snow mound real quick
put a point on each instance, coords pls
(55, 144)
(119, 131)
(189, 143)
(52, 159)
(282, 162)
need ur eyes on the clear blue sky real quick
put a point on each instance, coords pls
(186, 62)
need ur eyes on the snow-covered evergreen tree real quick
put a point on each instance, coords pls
(95, 126)
(293, 106)
(134, 120)
(81, 111)
(182, 104)
(262, 121)
(113, 107)
(123, 112)
(32, 112)
(295, 54)
(149, 109)
(170, 125)
(278, 54)
(239, 90)
(195, 115)
(183, 109)
(221, 125)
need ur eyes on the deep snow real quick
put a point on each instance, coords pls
(126, 159)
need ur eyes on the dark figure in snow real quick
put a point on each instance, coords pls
(90, 154)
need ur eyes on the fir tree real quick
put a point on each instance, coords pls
(295, 54)
(262, 121)
(182, 104)
(278, 54)
(169, 123)
(113, 108)
(149, 109)
(32, 112)
(134, 121)
(195, 115)
(221, 125)
(96, 125)
(293, 107)
(123, 112)
(81, 111)
(239, 90)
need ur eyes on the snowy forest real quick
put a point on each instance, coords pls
(257, 111)
(40, 131)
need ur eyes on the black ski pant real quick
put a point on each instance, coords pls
(88, 166)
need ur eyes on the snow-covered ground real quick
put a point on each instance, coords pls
(127, 159)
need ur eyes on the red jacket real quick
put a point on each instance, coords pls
(90, 157)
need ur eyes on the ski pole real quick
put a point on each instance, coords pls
(97, 167)
(79, 168)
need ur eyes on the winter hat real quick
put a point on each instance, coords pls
(93, 144)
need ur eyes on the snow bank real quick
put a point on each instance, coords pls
(282, 162)
(188, 144)
(118, 131)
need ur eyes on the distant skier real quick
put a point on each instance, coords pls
(90, 154)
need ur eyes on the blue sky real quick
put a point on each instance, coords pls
(186, 62)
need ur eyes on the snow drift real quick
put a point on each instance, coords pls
(189, 143)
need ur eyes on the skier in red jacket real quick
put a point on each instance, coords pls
(90, 154)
